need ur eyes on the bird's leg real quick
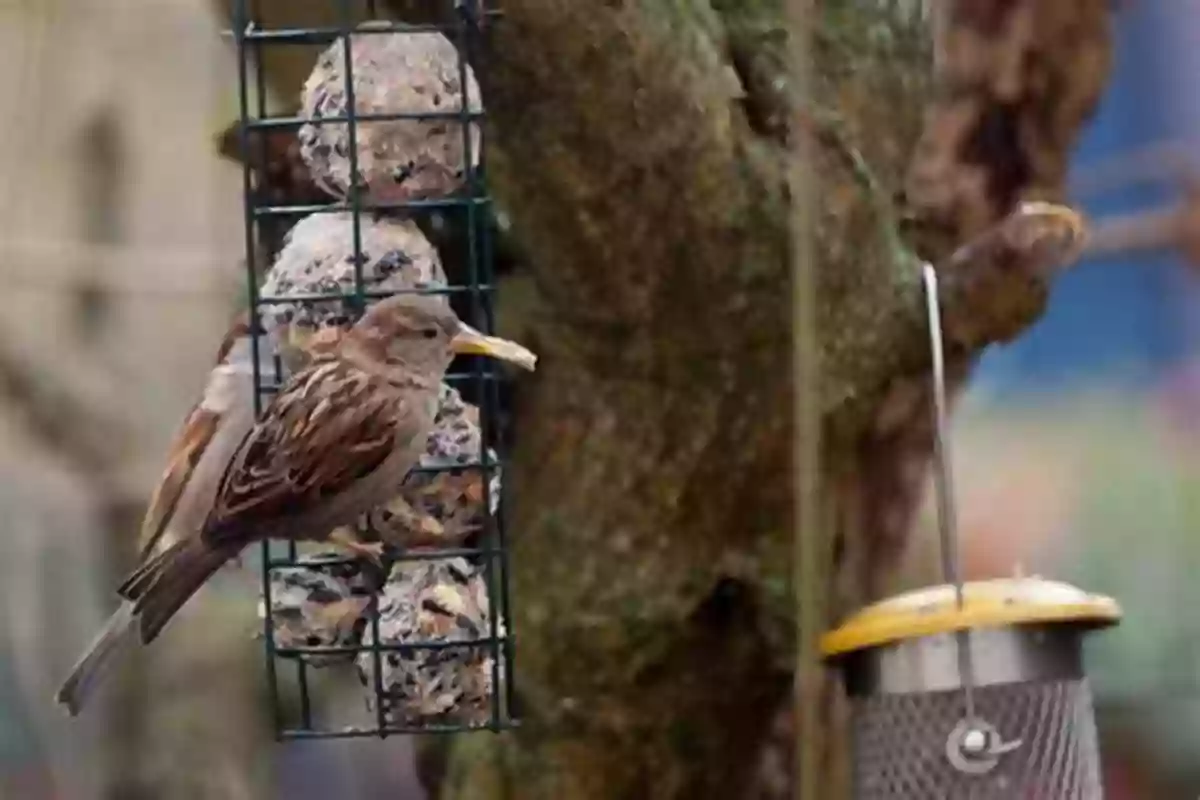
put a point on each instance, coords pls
(410, 527)
(347, 539)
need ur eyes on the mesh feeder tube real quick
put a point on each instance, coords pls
(1028, 728)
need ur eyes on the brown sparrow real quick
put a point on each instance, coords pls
(332, 444)
(429, 508)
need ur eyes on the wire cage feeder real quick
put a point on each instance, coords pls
(971, 690)
(426, 634)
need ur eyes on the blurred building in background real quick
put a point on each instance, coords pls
(121, 247)
(119, 254)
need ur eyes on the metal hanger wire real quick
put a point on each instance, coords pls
(947, 512)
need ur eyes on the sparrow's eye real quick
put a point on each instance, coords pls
(429, 333)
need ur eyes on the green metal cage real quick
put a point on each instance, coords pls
(288, 669)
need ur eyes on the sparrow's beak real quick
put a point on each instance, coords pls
(472, 342)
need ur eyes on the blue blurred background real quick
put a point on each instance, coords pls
(1125, 318)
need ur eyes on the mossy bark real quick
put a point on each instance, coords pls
(640, 149)
(652, 514)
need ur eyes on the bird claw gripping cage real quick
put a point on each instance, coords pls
(389, 128)
(971, 690)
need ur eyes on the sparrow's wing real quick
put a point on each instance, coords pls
(187, 449)
(330, 426)
(185, 453)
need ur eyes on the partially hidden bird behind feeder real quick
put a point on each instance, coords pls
(411, 72)
(198, 455)
(331, 445)
(1028, 730)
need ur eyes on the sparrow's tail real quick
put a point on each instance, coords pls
(78, 686)
(150, 597)
(160, 586)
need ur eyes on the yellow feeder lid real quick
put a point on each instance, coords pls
(990, 603)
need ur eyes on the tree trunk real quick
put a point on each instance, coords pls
(641, 151)
(652, 515)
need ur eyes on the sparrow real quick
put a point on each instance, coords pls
(280, 175)
(407, 525)
(317, 259)
(332, 444)
(429, 509)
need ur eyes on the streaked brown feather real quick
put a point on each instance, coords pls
(237, 329)
(185, 452)
(284, 468)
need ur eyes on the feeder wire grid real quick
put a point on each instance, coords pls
(464, 28)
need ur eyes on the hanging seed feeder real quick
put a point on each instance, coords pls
(971, 690)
